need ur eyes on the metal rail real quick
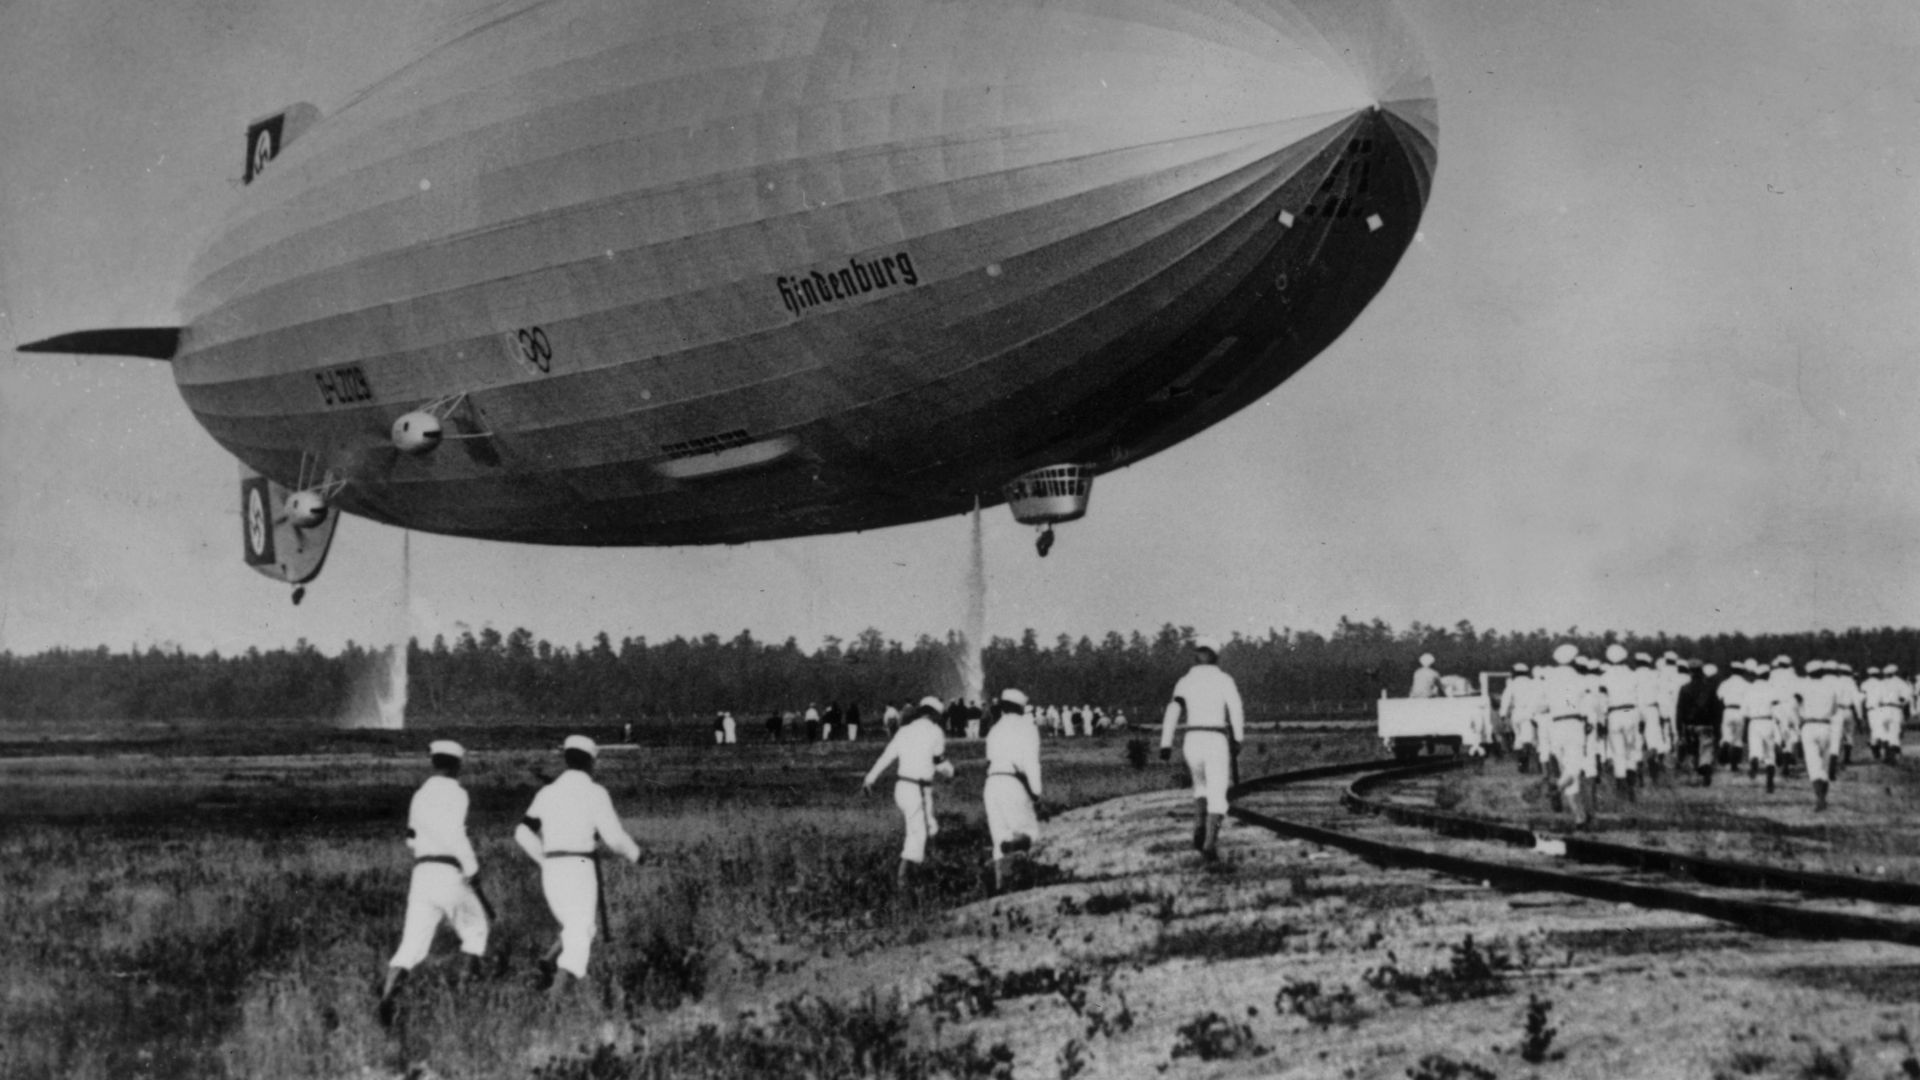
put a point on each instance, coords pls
(1763, 915)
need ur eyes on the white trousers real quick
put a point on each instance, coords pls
(439, 892)
(1009, 810)
(1885, 724)
(1209, 757)
(1523, 732)
(573, 895)
(1733, 728)
(1763, 737)
(1658, 731)
(1624, 744)
(916, 811)
(1817, 741)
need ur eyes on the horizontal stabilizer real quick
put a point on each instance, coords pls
(147, 342)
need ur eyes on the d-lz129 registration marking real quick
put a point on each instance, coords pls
(343, 385)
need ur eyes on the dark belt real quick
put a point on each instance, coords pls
(911, 780)
(1015, 773)
(447, 859)
(1805, 723)
(1622, 708)
(572, 855)
(1570, 716)
(1214, 730)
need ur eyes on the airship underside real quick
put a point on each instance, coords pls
(695, 271)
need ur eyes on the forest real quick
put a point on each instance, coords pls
(490, 677)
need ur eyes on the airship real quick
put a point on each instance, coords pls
(674, 272)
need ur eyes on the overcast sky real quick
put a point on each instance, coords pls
(1649, 366)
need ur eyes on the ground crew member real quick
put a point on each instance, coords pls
(920, 748)
(1565, 691)
(1819, 712)
(1519, 708)
(1732, 693)
(1763, 724)
(1698, 720)
(729, 729)
(1216, 725)
(1622, 729)
(559, 833)
(1013, 785)
(1887, 713)
(445, 873)
(1849, 712)
(1426, 681)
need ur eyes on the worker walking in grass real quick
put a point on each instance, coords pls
(559, 833)
(920, 750)
(446, 874)
(1887, 705)
(1013, 786)
(1216, 725)
(1733, 692)
(1566, 731)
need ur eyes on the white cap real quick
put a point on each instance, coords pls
(1565, 653)
(1891, 669)
(446, 747)
(1426, 659)
(1013, 697)
(581, 742)
(1208, 642)
(1642, 658)
(1616, 653)
(1711, 670)
(1783, 660)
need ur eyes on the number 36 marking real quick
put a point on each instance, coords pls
(535, 349)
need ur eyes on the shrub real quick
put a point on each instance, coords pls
(1213, 1037)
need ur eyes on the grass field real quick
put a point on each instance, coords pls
(195, 908)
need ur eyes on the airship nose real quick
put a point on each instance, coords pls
(1217, 80)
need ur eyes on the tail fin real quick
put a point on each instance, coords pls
(146, 342)
(274, 545)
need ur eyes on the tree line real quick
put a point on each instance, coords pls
(490, 677)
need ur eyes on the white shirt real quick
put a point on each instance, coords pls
(921, 750)
(1014, 746)
(437, 823)
(1426, 683)
(568, 814)
(1564, 691)
(1733, 695)
(1210, 700)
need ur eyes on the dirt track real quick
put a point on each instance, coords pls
(1311, 963)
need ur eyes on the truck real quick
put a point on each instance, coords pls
(1409, 726)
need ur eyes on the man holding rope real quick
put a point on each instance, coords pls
(920, 748)
(559, 833)
(1216, 725)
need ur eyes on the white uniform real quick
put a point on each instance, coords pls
(1763, 732)
(1216, 722)
(1623, 687)
(566, 817)
(1785, 687)
(1426, 683)
(443, 870)
(921, 750)
(1564, 730)
(728, 729)
(1887, 705)
(1733, 693)
(1520, 707)
(1013, 780)
(1819, 713)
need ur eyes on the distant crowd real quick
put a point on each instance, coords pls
(960, 718)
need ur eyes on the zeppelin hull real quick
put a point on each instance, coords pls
(703, 271)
